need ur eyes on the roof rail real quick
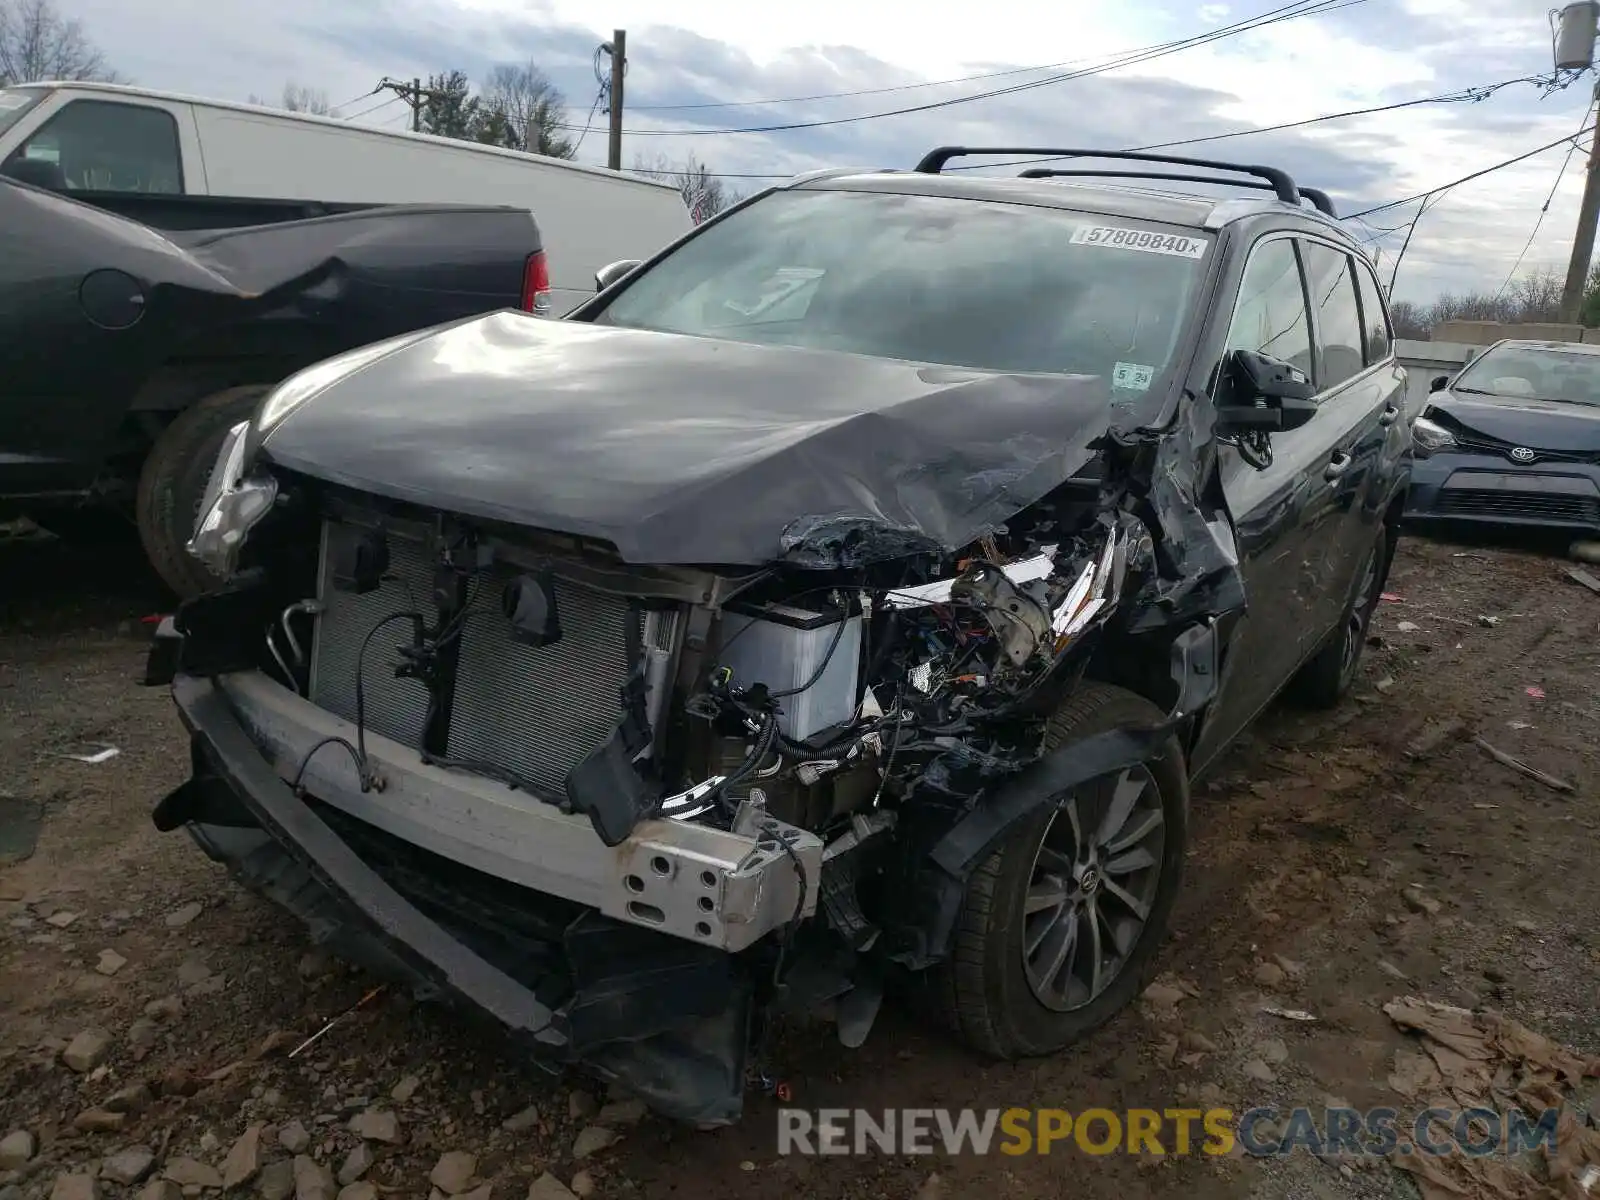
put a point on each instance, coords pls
(934, 160)
(1317, 196)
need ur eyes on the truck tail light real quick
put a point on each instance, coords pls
(536, 284)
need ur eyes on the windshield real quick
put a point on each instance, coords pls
(1533, 373)
(1000, 287)
(14, 105)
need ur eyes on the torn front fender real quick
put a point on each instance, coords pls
(1172, 480)
(938, 883)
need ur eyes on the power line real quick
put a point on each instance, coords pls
(1427, 202)
(1470, 95)
(1545, 208)
(1510, 162)
(1270, 17)
(1379, 232)
(375, 107)
(1285, 12)
(593, 108)
(1464, 95)
(899, 87)
(360, 98)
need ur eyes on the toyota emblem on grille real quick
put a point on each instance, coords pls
(1522, 454)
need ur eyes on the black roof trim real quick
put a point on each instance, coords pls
(1281, 182)
(1317, 196)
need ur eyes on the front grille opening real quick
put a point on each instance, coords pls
(515, 928)
(532, 712)
(1528, 506)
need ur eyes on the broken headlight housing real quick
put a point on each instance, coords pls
(231, 505)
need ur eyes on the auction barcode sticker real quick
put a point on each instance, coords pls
(1121, 238)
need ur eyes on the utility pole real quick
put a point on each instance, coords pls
(1574, 51)
(618, 46)
(412, 93)
(1583, 238)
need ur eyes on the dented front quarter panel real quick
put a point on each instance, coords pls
(1163, 495)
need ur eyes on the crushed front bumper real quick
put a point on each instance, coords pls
(635, 974)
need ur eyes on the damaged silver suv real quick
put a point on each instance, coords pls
(839, 602)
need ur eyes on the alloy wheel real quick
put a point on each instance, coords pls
(1092, 888)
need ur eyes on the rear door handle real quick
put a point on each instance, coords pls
(1337, 465)
(1390, 415)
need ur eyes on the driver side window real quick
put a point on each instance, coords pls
(1270, 316)
(99, 145)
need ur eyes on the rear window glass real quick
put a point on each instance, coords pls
(934, 279)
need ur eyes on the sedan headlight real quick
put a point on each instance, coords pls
(231, 506)
(1429, 436)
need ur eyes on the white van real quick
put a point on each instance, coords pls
(107, 137)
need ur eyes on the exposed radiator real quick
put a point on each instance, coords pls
(535, 712)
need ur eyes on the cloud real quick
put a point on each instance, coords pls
(716, 51)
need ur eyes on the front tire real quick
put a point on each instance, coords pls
(174, 479)
(1062, 922)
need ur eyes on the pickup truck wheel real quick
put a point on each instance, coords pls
(1326, 677)
(1061, 923)
(174, 479)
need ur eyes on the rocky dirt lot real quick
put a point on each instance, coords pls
(147, 1005)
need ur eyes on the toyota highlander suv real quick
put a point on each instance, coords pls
(841, 601)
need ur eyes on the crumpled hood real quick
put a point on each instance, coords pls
(1537, 424)
(681, 449)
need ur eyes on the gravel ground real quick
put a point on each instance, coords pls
(1339, 861)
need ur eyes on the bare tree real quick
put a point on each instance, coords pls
(522, 110)
(1410, 320)
(307, 100)
(1535, 297)
(37, 42)
(704, 193)
(300, 99)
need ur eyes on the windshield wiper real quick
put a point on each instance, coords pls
(1476, 391)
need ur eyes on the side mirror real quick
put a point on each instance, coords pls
(1262, 392)
(611, 272)
(1439, 383)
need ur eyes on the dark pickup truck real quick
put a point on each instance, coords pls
(138, 329)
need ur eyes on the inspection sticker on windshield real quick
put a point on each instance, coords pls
(1135, 377)
(1120, 238)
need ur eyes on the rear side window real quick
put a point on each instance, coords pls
(1270, 316)
(1333, 298)
(1374, 315)
(96, 145)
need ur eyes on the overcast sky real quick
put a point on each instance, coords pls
(1367, 53)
